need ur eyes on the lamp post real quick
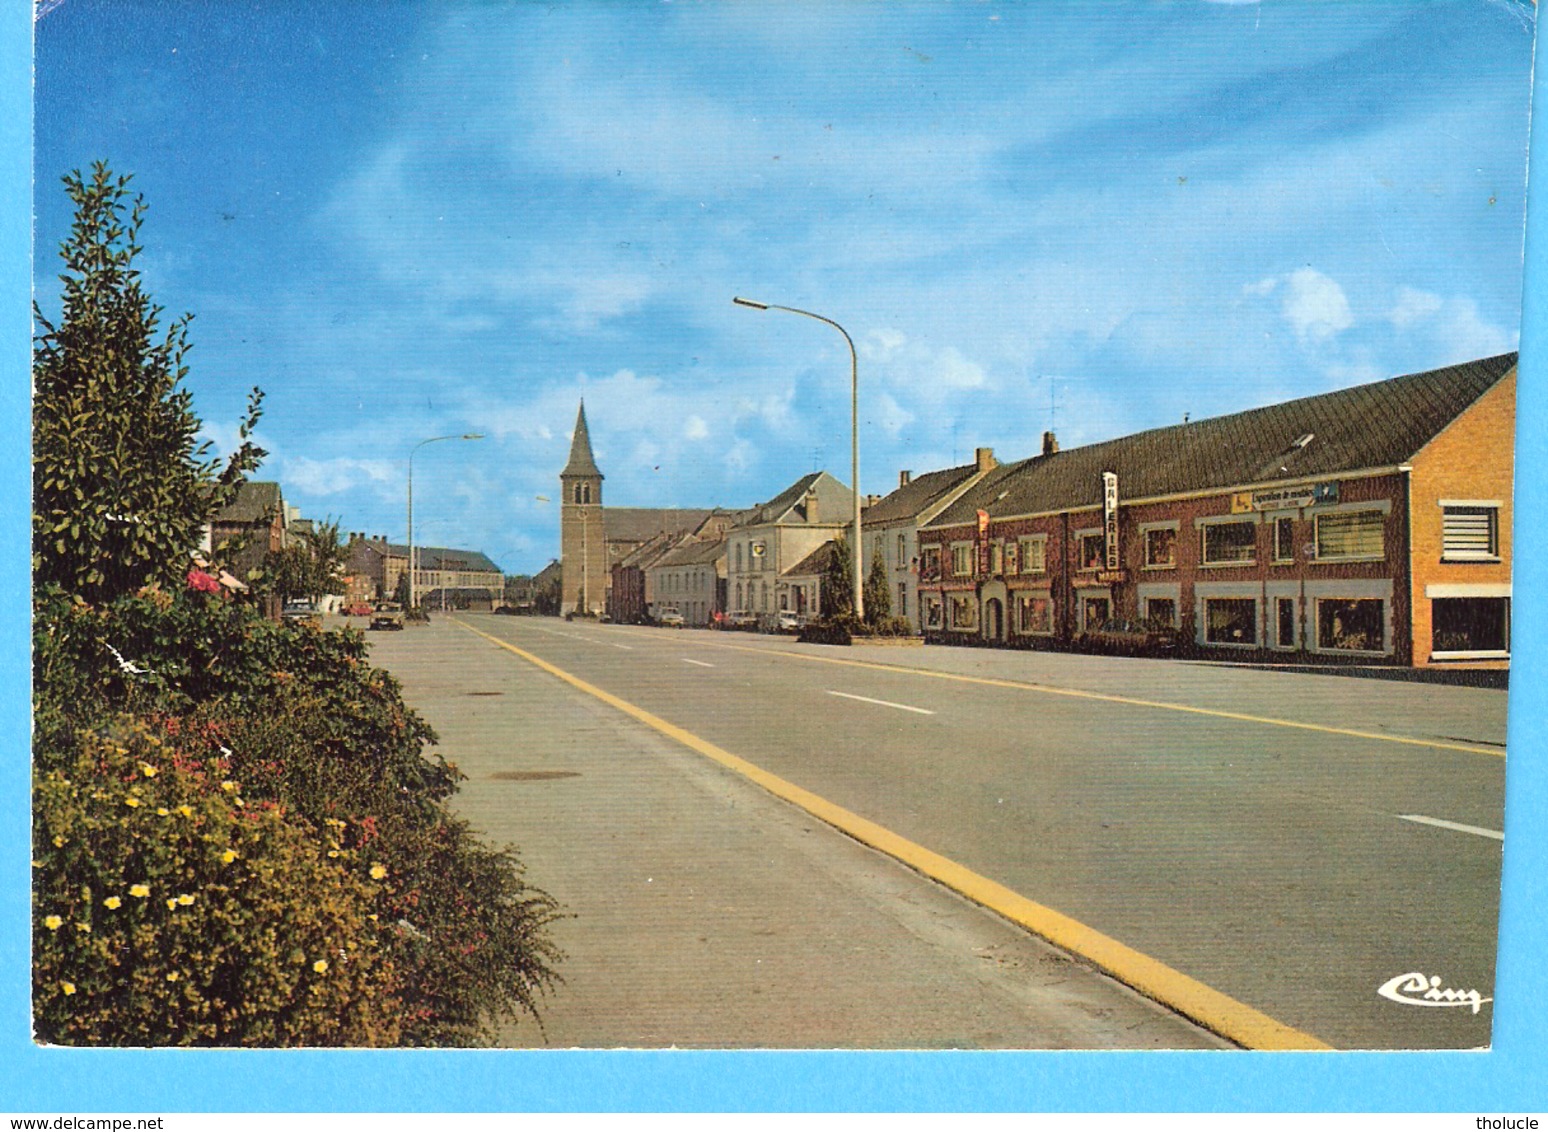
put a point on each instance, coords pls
(465, 436)
(854, 432)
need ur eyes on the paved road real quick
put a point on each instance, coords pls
(1249, 829)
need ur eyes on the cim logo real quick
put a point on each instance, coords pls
(1418, 989)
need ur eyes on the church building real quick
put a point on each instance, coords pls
(594, 538)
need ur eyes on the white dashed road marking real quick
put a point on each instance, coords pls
(883, 703)
(1478, 831)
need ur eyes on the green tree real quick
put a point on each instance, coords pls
(838, 585)
(878, 602)
(309, 567)
(121, 485)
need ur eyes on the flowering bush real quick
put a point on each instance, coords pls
(167, 910)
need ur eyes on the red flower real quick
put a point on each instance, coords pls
(199, 580)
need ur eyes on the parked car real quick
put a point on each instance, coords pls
(670, 618)
(388, 615)
(301, 613)
(788, 623)
(1133, 637)
(357, 609)
(740, 621)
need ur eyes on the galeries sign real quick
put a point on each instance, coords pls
(1284, 498)
(1110, 519)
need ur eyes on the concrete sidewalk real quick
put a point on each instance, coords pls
(705, 913)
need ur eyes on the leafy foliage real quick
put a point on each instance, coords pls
(838, 581)
(121, 487)
(308, 568)
(878, 602)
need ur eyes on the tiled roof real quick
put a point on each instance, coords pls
(816, 562)
(444, 558)
(915, 497)
(790, 503)
(694, 553)
(639, 524)
(647, 553)
(1380, 425)
(255, 502)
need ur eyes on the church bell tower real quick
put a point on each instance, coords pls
(582, 538)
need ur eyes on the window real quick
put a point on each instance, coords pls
(1034, 613)
(932, 611)
(929, 563)
(879, 550)
(1032, 555)
(1093, 550)
(1231, 621)
(1470, 534)
(1351, 626)
(1230, 543)
(961, 559)
(739, 605)
(1470, 624)
(964, 613)
(1094, 611)
(902, 599)
(739, 568)
(1285, 622)
(1350, 534)
(1161, 611)
(1284, 540)
(996, 562)
(902, 551)
(1160, 548)
(763, 600)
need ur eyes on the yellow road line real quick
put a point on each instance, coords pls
(1108, 697)
(1205, 1005)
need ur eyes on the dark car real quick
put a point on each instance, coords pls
(388, 615)
(301, 613)
(1130, 637)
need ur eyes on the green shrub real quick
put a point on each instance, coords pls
(169, 910)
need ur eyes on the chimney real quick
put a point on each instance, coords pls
(810, 504)
(870, 501)
(984, 459)
(1050, 444)
(904, 477)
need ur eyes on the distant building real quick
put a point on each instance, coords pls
(593, 539)
(1368, 524)
(438, 568)
(769, 539)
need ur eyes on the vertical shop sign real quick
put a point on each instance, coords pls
(1110, 518)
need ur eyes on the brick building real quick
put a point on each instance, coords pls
(1370, 523)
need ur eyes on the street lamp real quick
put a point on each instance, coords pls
(465, 436)
(854, 430)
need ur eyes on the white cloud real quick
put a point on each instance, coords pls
(694, 428)
(891, 417)
(1262, 286)
(331, 477)
(1412, 306)
(1315, 305)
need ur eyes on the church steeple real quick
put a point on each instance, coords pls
(581, 461)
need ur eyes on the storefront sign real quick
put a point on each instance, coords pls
(1110, 519)
(983, 543)
(1284, 498)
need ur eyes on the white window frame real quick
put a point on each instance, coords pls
(1275, 550)
(1079, 537)
(1081, 594)
(1346, 589)
(1491, 505)
(966, 547)
(1025, 541)
(1144, 536)
(1381, 506)
(1203, 525)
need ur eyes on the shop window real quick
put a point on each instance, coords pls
(1161, 611)
(1470, 624)
(1032, 552)
(1231, 621)
(1230, 543)
(1161, 548)
(961, 559)
(932, 612)
(1094, 611)
(1350, 625)
(1350, 534)
(1093, 551)
(1034, 614)
(1284, 622)
(964, 613)
(1470, 534)
(1284, 540)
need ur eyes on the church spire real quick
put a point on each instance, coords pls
(581, 461)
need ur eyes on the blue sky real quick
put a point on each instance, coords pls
(405, 220)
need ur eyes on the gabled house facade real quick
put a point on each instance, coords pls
(769, 539)
(1369, 524)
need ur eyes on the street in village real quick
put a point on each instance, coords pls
(1267, 850)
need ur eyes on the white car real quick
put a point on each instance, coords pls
(670, 618)
(788, 623)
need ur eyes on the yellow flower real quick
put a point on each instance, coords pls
(131, 801)
(58, 842)
(321, 966)
(186, 811)
(185, 900)
(139, 890)
(112, 902)
(228, 856)
(228, 786)
(333, 852)
(162, 811)
(147, 770)
(83, 928)
(52, 923)
(171, 976)
(67, 986)
(378, 872)
(171, 902)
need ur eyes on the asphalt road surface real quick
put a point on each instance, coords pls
(1294, 842)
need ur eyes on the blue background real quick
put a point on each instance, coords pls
(1507, 1078)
